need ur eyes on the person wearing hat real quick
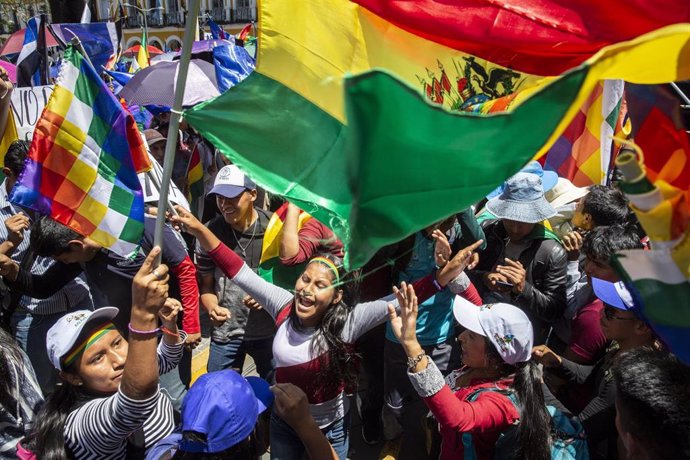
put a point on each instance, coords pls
(621, 325)
(237, 329)
(109, 404)
(157, 143)
(523, 263)
(564, 197)
(223, 416)
(479, 400)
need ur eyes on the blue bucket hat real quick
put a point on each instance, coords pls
(522, 200)
(224, 406)
(548, 178)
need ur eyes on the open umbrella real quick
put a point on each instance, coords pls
(155, 85)
(14, 44)
(133, 50)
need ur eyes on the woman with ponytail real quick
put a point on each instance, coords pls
(317, 324)
(478, 402)
(109, 405)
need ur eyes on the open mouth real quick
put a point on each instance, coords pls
(304, 304)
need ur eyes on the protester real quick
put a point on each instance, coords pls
(602, 206)
(109, 404)
(221, 418)
(435, 331)
(157, 143)
(619, 324)
(523, 263)
(30, 318)
(564, 197)
(316, 328)
(238, 330)
(476, 399)
(653, 414)
(20, 395)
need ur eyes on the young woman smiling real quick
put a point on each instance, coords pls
(316, 327)
(109, 405)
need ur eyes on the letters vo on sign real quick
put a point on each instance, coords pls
(27, 107)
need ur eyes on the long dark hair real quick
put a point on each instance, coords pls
(339, 363)
(47, 438)
(11, 353)
(534, 430)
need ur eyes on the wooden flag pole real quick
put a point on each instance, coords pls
(171, 146)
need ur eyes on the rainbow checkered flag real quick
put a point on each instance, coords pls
(84, 159)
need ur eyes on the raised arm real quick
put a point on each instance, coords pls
(271, 297)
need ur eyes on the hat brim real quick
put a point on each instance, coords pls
(608, 293)
(227, 191)
(569, 196)
(155, 140)
(262, 391)
(467, 314)
(98, 318)
(530, 212)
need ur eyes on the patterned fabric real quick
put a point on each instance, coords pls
(584, 152)
(84, 158)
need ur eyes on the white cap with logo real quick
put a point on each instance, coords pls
(64, 334)
(506, 326)
(230, 182)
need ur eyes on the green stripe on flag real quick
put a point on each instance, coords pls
(402, 164)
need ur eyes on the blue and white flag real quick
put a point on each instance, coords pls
(29, 60)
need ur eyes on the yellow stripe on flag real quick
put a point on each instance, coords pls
(311, 46)
(10, 135)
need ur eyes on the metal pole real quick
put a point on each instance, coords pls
(171, 146)
(680, 93)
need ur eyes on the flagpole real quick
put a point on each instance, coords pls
(171, 145)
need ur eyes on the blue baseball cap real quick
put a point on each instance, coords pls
(224, 406)
(613, 294)
(549, 179)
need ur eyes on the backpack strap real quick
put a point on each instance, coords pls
(470, 452)
(283, 314)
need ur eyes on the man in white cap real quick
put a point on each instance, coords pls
(523, 263)
(238, 330)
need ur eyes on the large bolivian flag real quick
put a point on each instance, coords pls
(354, 110)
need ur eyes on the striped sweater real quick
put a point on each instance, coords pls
(99, 429)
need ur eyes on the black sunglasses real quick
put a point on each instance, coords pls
(610, 313)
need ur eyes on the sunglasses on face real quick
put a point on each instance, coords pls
(610, 313)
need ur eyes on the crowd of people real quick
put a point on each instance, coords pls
(502, 331)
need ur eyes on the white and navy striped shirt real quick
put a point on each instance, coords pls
(99, 429)
(75, 294)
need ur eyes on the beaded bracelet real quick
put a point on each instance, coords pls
(137, 331)
(412, 362)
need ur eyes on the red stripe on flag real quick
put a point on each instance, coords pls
(541, 37)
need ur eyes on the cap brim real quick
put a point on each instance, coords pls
(98, 318)
(262, 391)
(530, 212)
(467, 314)
(227, 191)
(609, 293)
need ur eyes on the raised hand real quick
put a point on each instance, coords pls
(16, 225)
(546, 356)
(572, 242)
(462, 260)
(404, 325)
(150, 285)
(442, 249)
(187, 221)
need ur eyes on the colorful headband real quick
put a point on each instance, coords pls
(69, 359)
(328, 263)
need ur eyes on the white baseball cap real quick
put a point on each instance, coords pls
(65, 334)
(230, 182)
(506, 326)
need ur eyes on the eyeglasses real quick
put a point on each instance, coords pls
(610, 313)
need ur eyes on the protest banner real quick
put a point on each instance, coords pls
(27, 106)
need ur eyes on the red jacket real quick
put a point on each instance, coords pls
(489, 415)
